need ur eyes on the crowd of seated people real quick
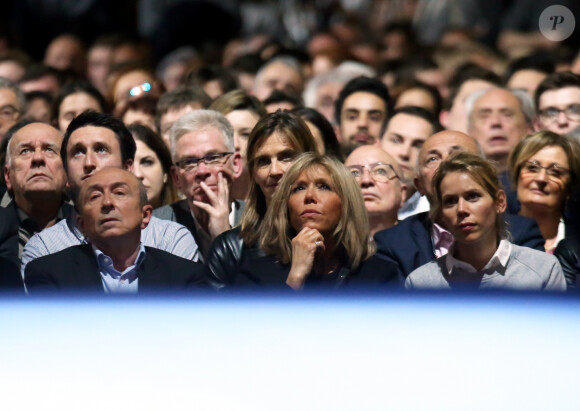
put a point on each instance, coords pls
(443, 165)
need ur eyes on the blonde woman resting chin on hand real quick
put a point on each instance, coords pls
(316, 233)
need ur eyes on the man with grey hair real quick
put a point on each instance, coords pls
(12, 104)
(282, 73)
(498, 119)
(35, 179)
(205, 165)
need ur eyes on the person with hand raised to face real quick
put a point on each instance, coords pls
(205, 164)
(315, 233)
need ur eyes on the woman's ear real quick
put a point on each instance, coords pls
(501, 202)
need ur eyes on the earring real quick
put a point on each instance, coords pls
(164, 178)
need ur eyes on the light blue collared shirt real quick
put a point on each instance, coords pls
(115, 282)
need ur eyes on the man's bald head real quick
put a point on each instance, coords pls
(361, 153)
(383, 199)
(436, 149)
(112, 174)
(113, 210)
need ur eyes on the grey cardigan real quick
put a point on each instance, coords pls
(526, 269)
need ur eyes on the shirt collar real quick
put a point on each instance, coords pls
(498, 259)
(559, 235)
(442, 240)
(106, 263)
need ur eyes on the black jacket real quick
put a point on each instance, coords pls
(267, 272)
(225, 256)
(76, 269)
(568, 254)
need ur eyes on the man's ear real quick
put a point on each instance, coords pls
(403, 193)
(129, 165)
(537, 124)
(175, 177)
(7, 177)
(444, 118)
(81, 223)
(419, 185)
(146, 211)
(337, 132)
(238, 165)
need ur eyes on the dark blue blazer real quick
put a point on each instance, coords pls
(408, 244)
(76, 269)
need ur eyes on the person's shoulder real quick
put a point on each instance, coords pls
(430, 267)
(377, 270)
(374, 262)
(55, 230)
(164, 212)
(166, 257)
(167, 212)
(535, 261)
(55, 259)
(158, 223)
(423, 275)
(516, 219)
(531, 256)
(402, 228)
(232, 233)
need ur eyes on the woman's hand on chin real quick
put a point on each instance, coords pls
(304, 247)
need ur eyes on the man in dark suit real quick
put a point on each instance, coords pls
(417, 240)
(35, 180)
(205, 166)
(112, 212)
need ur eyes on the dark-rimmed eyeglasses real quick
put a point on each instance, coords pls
(380, 172)
(211, 160)
(553, 171)
(572, 113)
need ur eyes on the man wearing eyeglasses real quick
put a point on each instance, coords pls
(205, 166)
(557, 102)
(378, 176)
(417, 239)
(12, 104)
